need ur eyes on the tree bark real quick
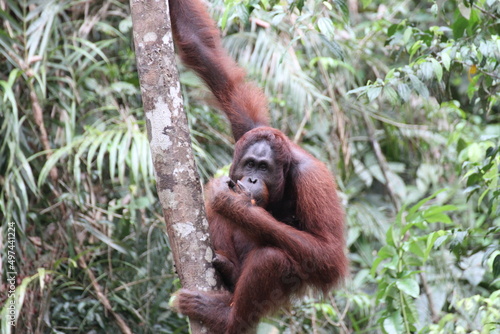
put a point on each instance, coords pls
(178, 183)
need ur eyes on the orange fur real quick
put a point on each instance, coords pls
(267, 255)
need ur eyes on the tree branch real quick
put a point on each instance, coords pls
(381, 160)
(178, 183)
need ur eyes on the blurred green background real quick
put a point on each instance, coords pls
(399, 98)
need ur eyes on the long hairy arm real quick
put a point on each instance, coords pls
(200, 48)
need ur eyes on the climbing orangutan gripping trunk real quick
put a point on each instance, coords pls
(276, 224)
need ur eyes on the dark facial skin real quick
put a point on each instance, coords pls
(258, 165)
(254, 188)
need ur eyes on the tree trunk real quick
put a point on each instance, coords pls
(178, 183)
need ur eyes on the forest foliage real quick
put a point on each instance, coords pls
(401, 99)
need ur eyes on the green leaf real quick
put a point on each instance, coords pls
(439, 241)
(225, 14)
(431, 241)
(384, 253)
(51, 162)
(417, 206)
(391, 95)
(438, 209)
(416, 248)
(102, 151)
(446, 60)
(90, 154)
(135, 161)
(122, 156)
(409, 286)
(389, 236)
(27, 172)
(465, 11)
(326, 27)
(439, 218)
(104, 238)
(438, 70)
(342, 5)
(404, 92)
(496, 266)
(459, 27)
(415, 47)
(427, 70)
(360, 90)
(407, 35)
(393, 29)
(333, 46)
(419, 86)
(113, 152)
(373, 93)
(394, 323)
